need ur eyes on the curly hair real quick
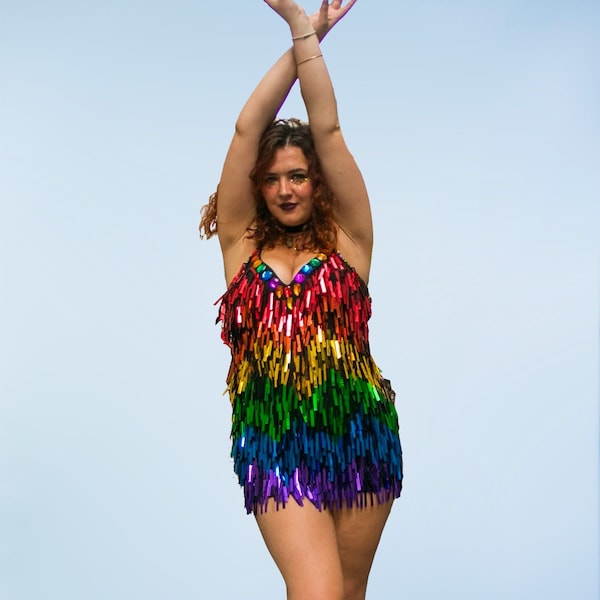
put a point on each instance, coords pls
(321, 231)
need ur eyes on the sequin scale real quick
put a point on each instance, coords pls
(312, 416)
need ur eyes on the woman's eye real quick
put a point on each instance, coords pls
(298, 178)
(270, 181)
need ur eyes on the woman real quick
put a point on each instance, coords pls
(315, 431)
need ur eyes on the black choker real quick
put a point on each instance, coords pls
(293, 234)
(294, 228)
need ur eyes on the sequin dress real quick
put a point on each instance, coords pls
(313, 419)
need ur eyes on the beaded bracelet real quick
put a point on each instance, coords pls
(307, 59)
(303, 37)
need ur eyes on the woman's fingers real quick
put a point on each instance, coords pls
(329, 15)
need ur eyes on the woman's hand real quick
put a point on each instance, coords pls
(288, 10)
(324, 19)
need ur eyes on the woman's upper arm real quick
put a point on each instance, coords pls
(235, 199)
(352, 208)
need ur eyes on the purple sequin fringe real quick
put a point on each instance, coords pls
(359, 485)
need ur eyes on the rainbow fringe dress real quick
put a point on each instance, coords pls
(313, 419)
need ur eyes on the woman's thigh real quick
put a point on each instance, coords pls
(358, 531)
(304, 545)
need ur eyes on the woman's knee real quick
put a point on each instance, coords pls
(355, 589)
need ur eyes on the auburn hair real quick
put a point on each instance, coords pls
(321, 231)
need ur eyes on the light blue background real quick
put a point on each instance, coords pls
(477, 127)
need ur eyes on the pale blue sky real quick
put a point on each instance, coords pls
(477, 129)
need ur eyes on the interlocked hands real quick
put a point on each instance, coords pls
(323, 20)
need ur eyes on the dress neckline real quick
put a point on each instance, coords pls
(269, 275)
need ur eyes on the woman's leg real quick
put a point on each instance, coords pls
(304, 545)
(358, 532)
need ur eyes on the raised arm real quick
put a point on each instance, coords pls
(235, 206)
(352, 208)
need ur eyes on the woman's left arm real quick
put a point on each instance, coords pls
(352, 209)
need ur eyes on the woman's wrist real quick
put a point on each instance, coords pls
(300, 25)
(304, 36)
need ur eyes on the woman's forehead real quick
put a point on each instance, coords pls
(288, 158)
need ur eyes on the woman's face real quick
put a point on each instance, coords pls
(287, 188)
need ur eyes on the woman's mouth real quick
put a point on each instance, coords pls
(287, 206)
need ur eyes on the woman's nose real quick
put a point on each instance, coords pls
(284, 186)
